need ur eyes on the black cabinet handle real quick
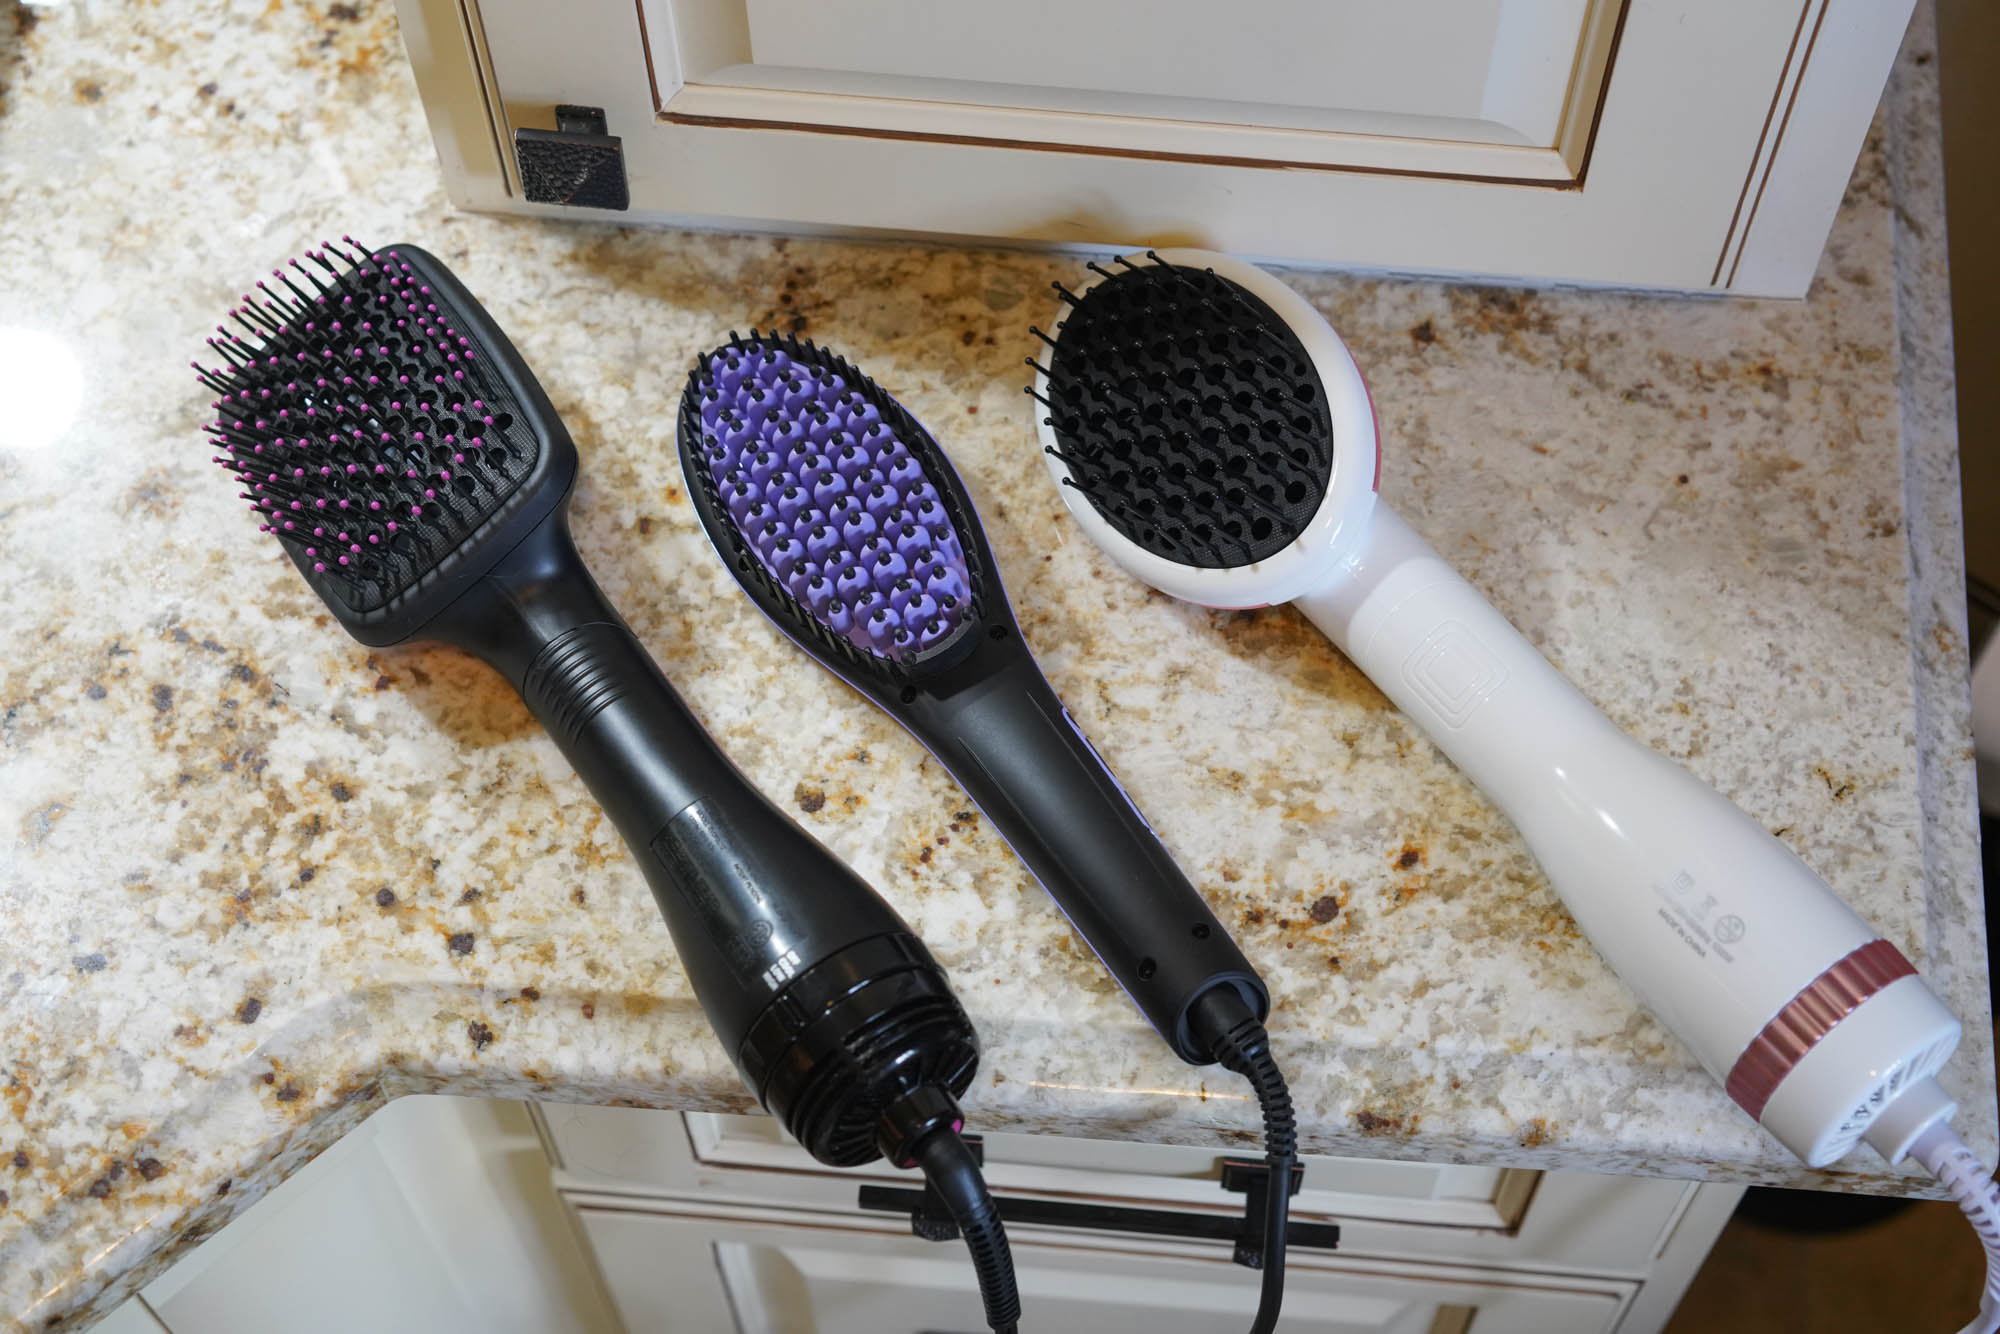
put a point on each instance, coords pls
(931, 1221)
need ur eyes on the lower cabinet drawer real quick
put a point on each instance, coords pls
(707, 1270)
(1569, 1221)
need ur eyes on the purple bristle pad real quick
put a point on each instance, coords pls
(945, 581)
(790, 437)
(827, 487)
(858, 529)
(795, 505)
(822, 541)
(837, 509)
(851, 460)
(882, 503)
(851, 583)
(741, 495)
(905, 592)
(786, 555)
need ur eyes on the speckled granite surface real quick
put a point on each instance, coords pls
(255, 879)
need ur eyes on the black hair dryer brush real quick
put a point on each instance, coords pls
(390, 437)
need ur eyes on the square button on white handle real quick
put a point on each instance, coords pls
(1453, 672)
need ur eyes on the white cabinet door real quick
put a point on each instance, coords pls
(134, 1317)
(435, 1215)
(1692, 144)
(693, 1273)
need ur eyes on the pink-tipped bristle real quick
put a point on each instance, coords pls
(375, 333)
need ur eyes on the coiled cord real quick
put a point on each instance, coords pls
(1224, 1022)
(1941, 1150)
(954, 1174)
(1243, 1047)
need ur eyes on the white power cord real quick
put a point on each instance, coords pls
(1917, 1124)
(1941, 1150)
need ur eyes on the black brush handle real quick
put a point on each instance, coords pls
(999, 728)
(752, 900)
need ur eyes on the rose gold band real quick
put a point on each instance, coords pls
(1810, 1016)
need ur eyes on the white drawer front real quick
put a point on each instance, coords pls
(1573, 1221)
(696, 1271)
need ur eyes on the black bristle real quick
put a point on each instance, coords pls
(1188, 413)
(333, 392)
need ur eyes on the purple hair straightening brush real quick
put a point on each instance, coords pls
(846, 525)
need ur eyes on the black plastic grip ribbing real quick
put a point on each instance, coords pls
(999, 728)
(752, 900)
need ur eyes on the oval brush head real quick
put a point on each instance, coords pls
(1190, 415)
(1205, 419)
(833, 507)
(380, 424)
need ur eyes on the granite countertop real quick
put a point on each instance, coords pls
(256, 879)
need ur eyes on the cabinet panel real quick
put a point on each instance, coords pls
(134, 1317)
(671, 1271)
(1499, 72)
(347, 1252)
(1639, 143)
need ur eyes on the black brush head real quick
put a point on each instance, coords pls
(385, 432)
(1189, 414)
(833, 507)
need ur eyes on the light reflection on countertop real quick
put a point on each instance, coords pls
(41, 388)
(1126, 1091)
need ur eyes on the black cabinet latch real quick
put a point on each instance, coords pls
(1252, 1178)
(931, 1220)
(578, 163)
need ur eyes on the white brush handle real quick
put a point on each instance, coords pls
(1713, 922)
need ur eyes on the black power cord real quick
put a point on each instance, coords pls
(920, 1128)
(1223, 1020)
(954, 1174)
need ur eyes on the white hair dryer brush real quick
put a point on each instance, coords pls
(1213, 436)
